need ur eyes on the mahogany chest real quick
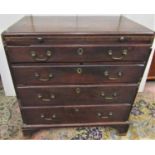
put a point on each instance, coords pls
(76, 70)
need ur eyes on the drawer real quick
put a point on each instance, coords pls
(78, 114)
(78, 53)
(76, 39)
(76, 95)
(76, 74)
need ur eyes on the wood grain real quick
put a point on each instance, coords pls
(79, 53)
(77, 94)
(63, 88)
(76, 114)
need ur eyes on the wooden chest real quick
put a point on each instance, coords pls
(76, 70)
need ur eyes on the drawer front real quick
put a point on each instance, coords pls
(76, 53)
(81, 39)
(81, 114)
(77, 95)
(77, 74)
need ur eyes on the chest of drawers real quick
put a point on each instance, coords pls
(76, 70)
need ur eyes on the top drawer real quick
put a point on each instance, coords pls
(79, 53)
(86, 39)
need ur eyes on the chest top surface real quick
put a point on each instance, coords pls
(76, 25)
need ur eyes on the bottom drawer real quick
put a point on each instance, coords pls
(77, 114)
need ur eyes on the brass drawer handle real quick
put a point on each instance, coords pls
(124, 53)
(37, 75)
(42, 116)
(119, 75)
(114, 95)
(35, 57)
(80, 51)
(102, 116)
(52, 96)
(79, 70)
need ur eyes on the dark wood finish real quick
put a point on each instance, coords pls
(89, 66)
(76, 114)
(35, 25)
(122, 127)
(77, 95)
(78, 53)
(68, 74)
(151, 75)
(80, 39)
